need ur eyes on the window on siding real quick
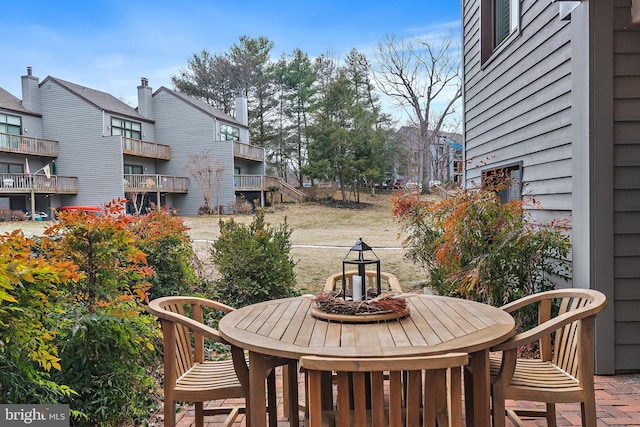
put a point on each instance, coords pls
(11, 168)
(500, 19)
(133, 170)
(506, 181)
(10, 124)
(126, 128)
(229, 133)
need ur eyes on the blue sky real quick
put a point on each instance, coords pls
(109, 45)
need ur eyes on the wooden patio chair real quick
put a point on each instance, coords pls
(412, 404)
(388, 281)
(564, 371)
(188, 377)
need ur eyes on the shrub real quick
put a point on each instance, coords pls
(9, 215)
(105, 341)
(475, 247)
(105, 355)
(206, 210)
(253, 261)
(29, 293)
(163, 237)
(242, 206)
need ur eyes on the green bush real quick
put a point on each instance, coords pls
(253, 261)
(475, 247)
(163, 238)
(105, 355)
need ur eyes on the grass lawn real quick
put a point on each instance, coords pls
(322, 235)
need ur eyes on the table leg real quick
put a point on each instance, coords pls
(477, 393)
(292, 386)
(256, 406)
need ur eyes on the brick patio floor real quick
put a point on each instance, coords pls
(617, 400)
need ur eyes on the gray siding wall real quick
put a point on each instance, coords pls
(148, 132)
(31, 126)
(249, 168)
(83, 151)
(564, 98)
(189, 131)
(626, 158)
(517, 105)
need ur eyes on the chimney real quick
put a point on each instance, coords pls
(242, 112)
(145, 99)
(31, 92)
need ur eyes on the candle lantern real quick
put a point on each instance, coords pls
(361, 255)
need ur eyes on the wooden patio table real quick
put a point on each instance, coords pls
(435, 325)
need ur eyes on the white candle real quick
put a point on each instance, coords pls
(356, 282)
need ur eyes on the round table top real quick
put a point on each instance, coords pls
(435, 325)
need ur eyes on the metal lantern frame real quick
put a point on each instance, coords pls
(361, 261)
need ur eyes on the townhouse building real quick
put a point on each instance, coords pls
(64, 144)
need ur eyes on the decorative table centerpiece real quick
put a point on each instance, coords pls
(385, 306)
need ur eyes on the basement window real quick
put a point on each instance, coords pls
(506, 181)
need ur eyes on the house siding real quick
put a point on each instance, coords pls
(190, 131)
(626, 185)
(517, 105)
(84, 151)
(563, 97)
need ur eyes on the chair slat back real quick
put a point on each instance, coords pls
(362, 380)
(184, 351)
(388, 281)
(567, 340)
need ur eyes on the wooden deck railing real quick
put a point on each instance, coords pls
(264, 183)
(138, 147)
(28, 145)
(155, 183)
(40, 184)
(248, 151)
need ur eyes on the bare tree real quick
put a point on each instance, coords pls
(207, 169)
(136, 198)
(423, 77)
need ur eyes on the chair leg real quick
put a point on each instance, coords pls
(199, 414)
(498, 407)
(456, 397)
(468, 394)
(551, 415)
(272, 410)
(588, 408)
(169, 413)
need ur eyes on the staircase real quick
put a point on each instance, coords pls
(291, 192)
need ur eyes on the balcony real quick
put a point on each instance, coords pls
(20, 183)
(138, 183)
(22, 144)
(152, 150)
(248, 152)
(254, 182)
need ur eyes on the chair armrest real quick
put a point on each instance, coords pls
(195, 326)
(545, 329)
(598, 298)
(156, 307)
